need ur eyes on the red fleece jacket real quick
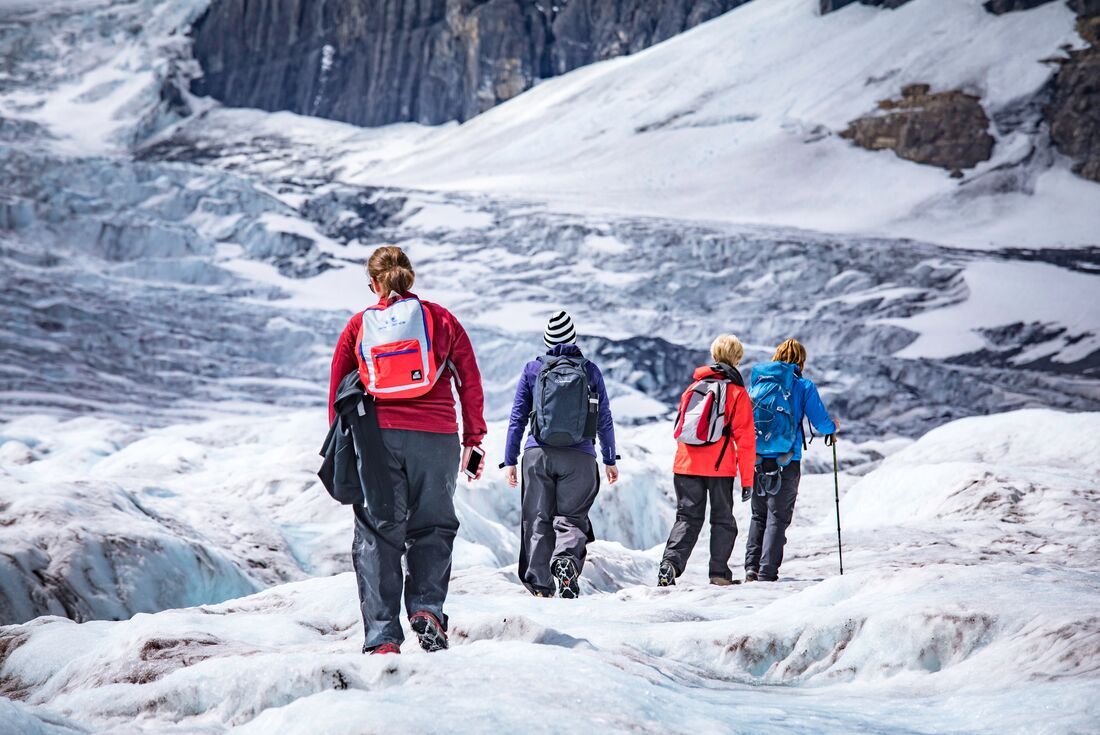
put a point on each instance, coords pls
(741, 453)
(435, 410)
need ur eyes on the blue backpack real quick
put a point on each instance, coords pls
(776, 425)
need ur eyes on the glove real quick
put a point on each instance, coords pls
(746, 493)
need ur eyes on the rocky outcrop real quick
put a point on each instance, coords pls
(951, 129)
(945, 129)
(997, 7)
(584, 31)
(1074, 111)
(1000, 7)
(828, 6)
(431, 61)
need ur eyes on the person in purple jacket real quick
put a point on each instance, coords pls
(560, 479)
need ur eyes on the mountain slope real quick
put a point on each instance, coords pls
(736, 120)
(173, 275)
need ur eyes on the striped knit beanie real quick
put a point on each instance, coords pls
(559, 330)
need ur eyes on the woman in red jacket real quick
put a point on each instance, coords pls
(411, 381)
(716, 438)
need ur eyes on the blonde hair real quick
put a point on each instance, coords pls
(791, 351)
(728, 349)
(392, 269)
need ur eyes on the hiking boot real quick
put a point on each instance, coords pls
(723, 582)
(666, 575)
(751, 576)
(540, 593)
(428, 631)
(565, 572)
(385, 648)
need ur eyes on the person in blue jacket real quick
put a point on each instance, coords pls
(560, 483)
(772, 511)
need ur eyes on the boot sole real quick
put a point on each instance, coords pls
(431, 638)
(568, 588)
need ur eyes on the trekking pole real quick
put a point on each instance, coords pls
(831, 439)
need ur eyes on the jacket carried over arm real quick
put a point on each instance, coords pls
(435, 410)
(524, 400)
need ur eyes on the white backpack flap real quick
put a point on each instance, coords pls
(702, 418)
(395, 350)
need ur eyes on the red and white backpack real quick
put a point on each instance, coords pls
(702, 416)
(395, 350)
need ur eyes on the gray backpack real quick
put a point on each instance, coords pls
(564, 409)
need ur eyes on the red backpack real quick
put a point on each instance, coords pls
(702, 416)
(394, 348)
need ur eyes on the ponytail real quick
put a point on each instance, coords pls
(792, 352)
(393, 271)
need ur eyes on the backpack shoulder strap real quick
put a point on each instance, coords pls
(684, 398)
(726, 432)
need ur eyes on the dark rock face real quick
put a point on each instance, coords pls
(375, 62)
(1000, 7)
(1085, 8)
(945, 129)
(828, 6)
(584, 31)
(997, 7)
(1074, 111)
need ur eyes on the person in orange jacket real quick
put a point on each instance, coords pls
(716, 440)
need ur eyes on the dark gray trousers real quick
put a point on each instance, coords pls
(424, 469)
(559, 487)
(771, 514)
(692, 492)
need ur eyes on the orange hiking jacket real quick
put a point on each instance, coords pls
(741, 451)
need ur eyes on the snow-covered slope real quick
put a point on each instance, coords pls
(101, 519)
(736, 121)
(173, 275)
(957, 616)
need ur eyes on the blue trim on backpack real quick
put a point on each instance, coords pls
(423, 315)
(397, 352)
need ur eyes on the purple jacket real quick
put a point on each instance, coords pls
(521, 411)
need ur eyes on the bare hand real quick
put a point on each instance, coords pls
(466, 452)
(612, 473)
(510, 476)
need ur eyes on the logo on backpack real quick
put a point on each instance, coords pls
(395, 350)
(564, 409)
(772, 412)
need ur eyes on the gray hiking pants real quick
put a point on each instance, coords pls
(771, 514)
(559, 487)
(424, 469)
(692, 492)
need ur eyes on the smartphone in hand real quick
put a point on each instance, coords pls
(473, 464)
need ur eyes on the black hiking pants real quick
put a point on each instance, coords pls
(422, 527)
(559, 487)
(771, 514)
(692, 492)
